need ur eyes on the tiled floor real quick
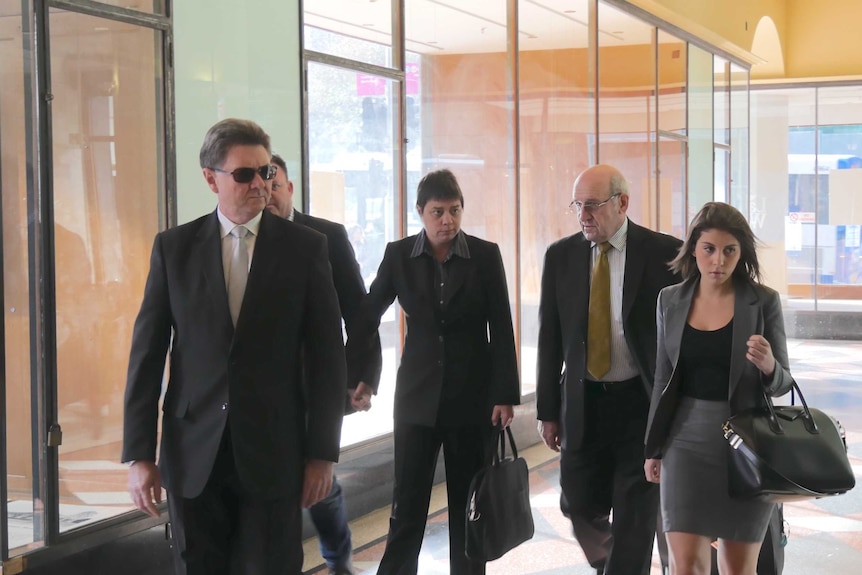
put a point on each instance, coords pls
(825, 535)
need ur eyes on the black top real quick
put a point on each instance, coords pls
(704, 359)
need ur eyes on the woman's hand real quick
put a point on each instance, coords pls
(652, 470)
(760, 354)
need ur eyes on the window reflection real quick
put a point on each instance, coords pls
(107, 185)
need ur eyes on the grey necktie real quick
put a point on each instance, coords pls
(238, 274)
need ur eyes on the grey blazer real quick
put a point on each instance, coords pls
(757, 310)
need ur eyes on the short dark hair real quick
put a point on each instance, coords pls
(438, 185)
(279, 161)
(225, 135)
(724, 217)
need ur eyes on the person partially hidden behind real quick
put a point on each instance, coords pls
(721, 345)
(243, 300)
(458, 374)
(597, 318)
(329, 515)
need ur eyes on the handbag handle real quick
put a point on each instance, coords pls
(805, 414)
(500, 452)
(774, 424)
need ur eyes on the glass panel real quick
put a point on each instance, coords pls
(351, 122)
(672, 56)
(107, 172)
(722, 159)
(839, 163)
(671, 186)
(739, 192)
(359, 31)
(784, 190)
(25, 526)
(627, 106)
(700, 135)
(721, 100)
(557, 116)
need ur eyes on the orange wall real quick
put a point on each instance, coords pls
(823, 38)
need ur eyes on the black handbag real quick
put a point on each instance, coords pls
(498, 507)
(786, 453)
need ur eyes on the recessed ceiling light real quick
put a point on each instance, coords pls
(368, 25)
(619, 31)
(569, 11)
(431, 42)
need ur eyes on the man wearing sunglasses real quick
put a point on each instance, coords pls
(596, 361)
(329, 515)
(238, 298)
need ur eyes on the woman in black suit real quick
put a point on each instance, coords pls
(458, 374)
(721, 344)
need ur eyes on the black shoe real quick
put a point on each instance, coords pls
(340, 571)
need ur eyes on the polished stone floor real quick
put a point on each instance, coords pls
(825, 535)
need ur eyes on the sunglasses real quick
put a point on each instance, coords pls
(246, 175)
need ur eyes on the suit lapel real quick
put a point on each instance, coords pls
(207, 251)
(263, 261)
(577, 275)
(675, 319)
(635, 264)
(745, 324)
(457, 271)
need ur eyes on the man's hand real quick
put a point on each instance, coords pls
(360, 398)
(145, 486)
(318, 481)
(550, 432)
(652, 470)
(503, 414)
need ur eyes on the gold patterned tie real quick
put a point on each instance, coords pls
(599, 321)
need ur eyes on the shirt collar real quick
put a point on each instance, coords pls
(459, 246)
(618, 240)
(292, 214)
(253, 225)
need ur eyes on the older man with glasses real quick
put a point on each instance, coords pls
(244, 302)
(596, 358)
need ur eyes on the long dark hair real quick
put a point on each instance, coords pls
(724, 217)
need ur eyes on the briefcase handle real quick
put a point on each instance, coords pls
(500, 452)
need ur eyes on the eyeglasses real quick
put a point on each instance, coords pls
(246, 175)
(589, 206)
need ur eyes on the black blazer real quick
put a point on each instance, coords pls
(350, 288)
(249, 376)
(459, 359)
(563, 311)
(757, 310)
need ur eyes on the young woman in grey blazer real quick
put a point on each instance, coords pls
(721, 343)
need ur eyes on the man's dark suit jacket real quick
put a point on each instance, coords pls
(563, 312)
(459, 359)
(248, 377)
(350, 288)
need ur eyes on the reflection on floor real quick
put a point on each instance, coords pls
(825, 535)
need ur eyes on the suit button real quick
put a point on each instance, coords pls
(224, 406)
(441, 339)
(439, 362)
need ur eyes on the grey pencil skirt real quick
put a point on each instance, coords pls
(694, 497)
